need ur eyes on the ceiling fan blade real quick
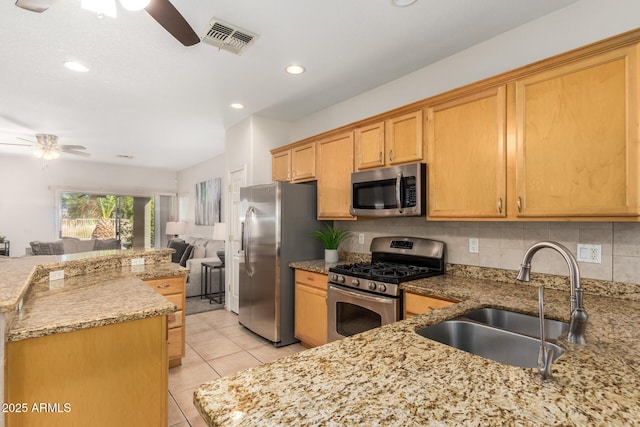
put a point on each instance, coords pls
(172, 21)
(17, 145)
(77, 153)
(25, 139)
(72, 147)
(38, 6)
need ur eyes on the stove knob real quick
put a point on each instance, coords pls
(382, 287)
(340, 279)
(372, 286)
(334, 277)
(355, 282)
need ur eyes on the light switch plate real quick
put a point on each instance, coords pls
(361, 238)
(137, 261)
(474, 246)
(590, 253)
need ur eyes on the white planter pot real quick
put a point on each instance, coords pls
(330, 255)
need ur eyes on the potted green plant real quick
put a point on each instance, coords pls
(331, 239)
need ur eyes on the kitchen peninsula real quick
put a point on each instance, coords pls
(89, 348)
(393, 376)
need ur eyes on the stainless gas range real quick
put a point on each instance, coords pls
(367, 295)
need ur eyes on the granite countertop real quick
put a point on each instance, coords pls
(393, 376)
(98, 289)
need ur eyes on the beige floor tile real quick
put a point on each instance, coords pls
(220, 318)
(190, 376)
(181, 424)
(195, 326)
(184, 398)
(175, 414)
(190, 356)
(267, 353)
(232, 363)
(215, 349)
(235, 330)
(248, 341)
(204, 338)
(197, 422)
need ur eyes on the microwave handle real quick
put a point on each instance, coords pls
(398, 194)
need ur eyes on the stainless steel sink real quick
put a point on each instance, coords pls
(496, 344)
(518, 322)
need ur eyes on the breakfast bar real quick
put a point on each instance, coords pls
(393, 376)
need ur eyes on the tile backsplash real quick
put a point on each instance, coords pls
(502, 244)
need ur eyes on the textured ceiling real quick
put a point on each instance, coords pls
(167, 105)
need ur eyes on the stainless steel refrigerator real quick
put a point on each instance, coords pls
(277, 228)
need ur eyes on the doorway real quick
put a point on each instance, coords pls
(237, 179)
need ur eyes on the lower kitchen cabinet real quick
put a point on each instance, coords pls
(112, 375)
(173, 289)
(415, 304)
(311, 308)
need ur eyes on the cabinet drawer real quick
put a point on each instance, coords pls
(316, 280)
(174, 320)
(176, 343)
(418, 304)
(177, 299)
(167, 285)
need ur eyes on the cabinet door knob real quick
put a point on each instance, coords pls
(500, 205)
(519, 204)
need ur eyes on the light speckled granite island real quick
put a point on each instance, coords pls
(88, 345)
(391, 376)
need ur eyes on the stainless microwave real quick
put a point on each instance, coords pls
(392, 191)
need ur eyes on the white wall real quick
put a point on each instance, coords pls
(187, 180)
(577, 25)
(27, 200)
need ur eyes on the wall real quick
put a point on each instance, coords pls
(502, 244)
(188, 178)
(579, 24)
(27, 195)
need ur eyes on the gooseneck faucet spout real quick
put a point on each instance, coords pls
(578, 322)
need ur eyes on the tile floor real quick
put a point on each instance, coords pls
(216, 346)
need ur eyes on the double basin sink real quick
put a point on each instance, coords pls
(501, 335)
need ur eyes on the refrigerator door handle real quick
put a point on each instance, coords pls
(246, 239)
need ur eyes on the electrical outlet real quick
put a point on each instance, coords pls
(137, 261)
(474, 246)
(361, 238)
(56, 275)
(590, 253)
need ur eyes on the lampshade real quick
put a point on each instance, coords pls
(220, 231)
(175, 228)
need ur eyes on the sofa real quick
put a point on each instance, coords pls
(191, 253)
(71, 245)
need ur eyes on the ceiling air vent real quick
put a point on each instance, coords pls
(228, 37)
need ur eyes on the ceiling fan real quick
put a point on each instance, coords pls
(160, 10)
(47, 147)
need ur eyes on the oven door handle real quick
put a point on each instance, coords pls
(398, 192)
(362, 295)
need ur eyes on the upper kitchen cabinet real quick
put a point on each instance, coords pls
(281, 166)
(466, 154)
(296, 163)
(335, 164)
(393, 141)
(303, 162)
(577, 138)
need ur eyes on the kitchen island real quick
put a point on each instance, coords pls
(393, 376)
(90, 348)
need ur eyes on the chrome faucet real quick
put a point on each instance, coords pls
(545, 355)
(578, 315)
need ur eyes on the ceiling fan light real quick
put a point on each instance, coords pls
(38, 153)
(135, 4)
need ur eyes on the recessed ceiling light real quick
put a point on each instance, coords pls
(237, 106)
(403, 3)
(76, 66)
(294, 69)
(124, 156)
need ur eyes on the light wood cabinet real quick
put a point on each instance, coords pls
(173, 288)
(369, 146)
(466, 156)
(113, 375)
(303, 162)
(415, 304)
(310, 308)
(281, 166)
(393, 141)
(577, 138)
(335, 165)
